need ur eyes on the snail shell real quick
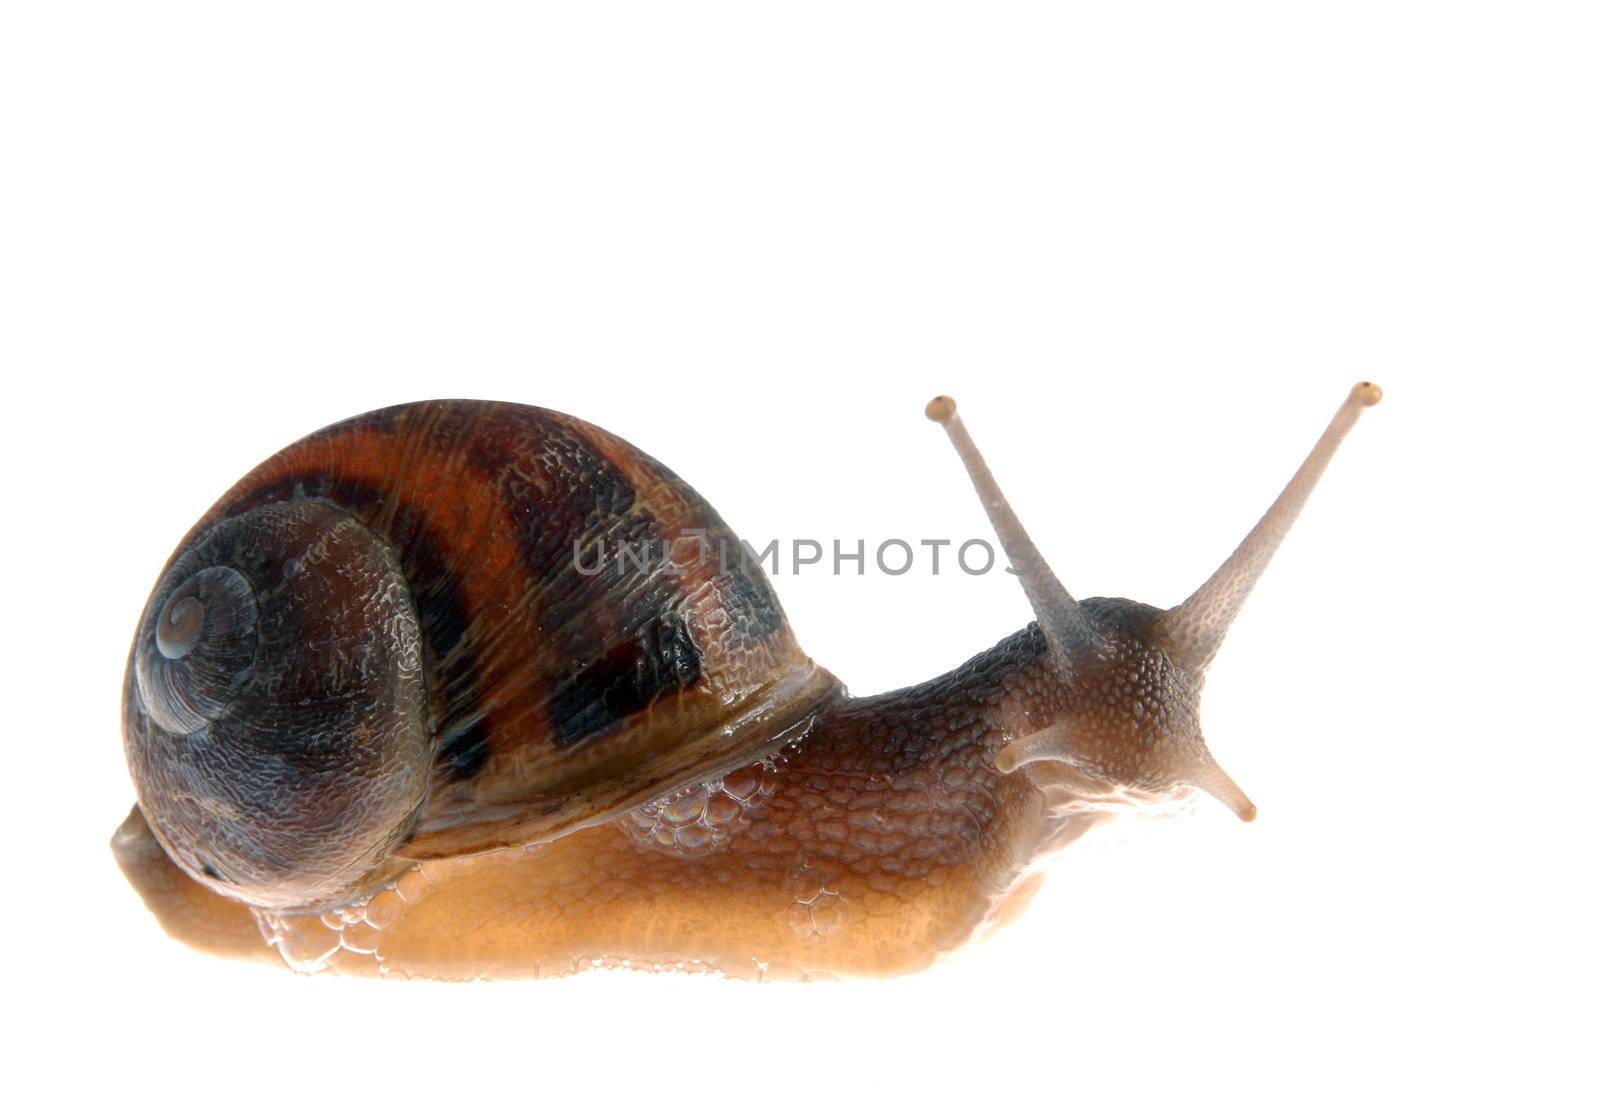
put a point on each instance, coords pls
(379, 646)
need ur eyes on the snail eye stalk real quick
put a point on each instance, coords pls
(1066, 627)
(1194, 629)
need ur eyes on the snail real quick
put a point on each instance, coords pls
(382, 717)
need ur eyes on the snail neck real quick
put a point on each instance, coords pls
(1123, 719)
(912, 774)
(1002, 693)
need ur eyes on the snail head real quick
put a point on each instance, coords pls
(1132, 673)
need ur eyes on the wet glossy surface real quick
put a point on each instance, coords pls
(414, 634)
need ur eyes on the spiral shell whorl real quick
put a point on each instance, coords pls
(275, 710)
(199, 650)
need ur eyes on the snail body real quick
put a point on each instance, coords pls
(381, 718)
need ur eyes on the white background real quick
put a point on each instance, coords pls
(1147, 245)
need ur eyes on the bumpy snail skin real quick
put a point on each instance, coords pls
(380, 723)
